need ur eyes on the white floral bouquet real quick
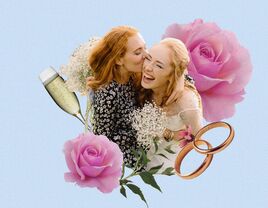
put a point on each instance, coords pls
(78, 69)
(149, 122)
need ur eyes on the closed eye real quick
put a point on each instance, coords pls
(147, 58)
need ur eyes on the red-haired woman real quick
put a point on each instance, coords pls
(117, 61)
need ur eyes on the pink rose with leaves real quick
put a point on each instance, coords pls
(93, 161)
(220, 66)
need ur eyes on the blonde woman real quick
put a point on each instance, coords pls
(164, 69)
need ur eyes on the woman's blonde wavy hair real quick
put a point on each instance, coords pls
(179, 61)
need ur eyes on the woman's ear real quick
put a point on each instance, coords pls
(119, 61)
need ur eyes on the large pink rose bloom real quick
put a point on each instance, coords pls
(93, 161)
(220, 66)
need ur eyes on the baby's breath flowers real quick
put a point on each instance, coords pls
(149, 122)
(78, 69)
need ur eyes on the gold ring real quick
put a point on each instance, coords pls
(201, 168)
(221, 146)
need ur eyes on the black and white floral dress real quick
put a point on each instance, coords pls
(112, 105)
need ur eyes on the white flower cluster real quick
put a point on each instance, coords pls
(78, 69)
(149, 122)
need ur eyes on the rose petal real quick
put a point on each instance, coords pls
(94, 159)
(79, 172)
(68, 146)
(240, 77)
(92, 171)
(108, 183)
(182, 133)
(216, 107)
(205, 66)
(71, 177)
(89, 182)
(204, 83)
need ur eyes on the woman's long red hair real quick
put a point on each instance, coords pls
(104, 57)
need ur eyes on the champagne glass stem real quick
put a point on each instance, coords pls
(81, 118)
(87, 127)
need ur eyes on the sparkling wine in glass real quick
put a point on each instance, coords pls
(59, 92)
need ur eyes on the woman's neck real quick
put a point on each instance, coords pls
(122, 77)
(158, 95)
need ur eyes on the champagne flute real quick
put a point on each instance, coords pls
(59, 92)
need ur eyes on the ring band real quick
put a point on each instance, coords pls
(218, 148)
(201, 168)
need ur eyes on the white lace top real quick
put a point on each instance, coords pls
(175, 122)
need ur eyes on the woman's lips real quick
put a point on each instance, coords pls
(147, 78)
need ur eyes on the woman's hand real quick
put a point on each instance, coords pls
(89, 79)
(173, 135)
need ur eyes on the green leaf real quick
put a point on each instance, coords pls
(135, 153)
(148, 178)
(123, 171)
(123, 191)
(162, 155)
(136, 190)
(168, 149)
(138, 154)
(124, 181)
(168, 171)
(145, 159)
(155, 169)
(155, 146)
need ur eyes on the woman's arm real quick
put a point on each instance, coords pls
(105, 107)
(189, 109)
(192, 118)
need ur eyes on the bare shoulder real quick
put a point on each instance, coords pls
(189, 99)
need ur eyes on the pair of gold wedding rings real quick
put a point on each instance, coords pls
(209, 152)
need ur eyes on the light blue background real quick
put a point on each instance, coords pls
(36, 34)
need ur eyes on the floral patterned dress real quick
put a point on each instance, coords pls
(112, 105)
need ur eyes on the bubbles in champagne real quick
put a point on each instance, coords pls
(55, 86)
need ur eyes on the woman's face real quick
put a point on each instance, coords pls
(134, 57)
(156, 68)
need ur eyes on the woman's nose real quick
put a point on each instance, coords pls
(144, 54)
(148, 66)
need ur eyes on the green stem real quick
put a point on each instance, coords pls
(129, 176)
(87, 114)
(123, 171)
(134, 173)
(137, 163)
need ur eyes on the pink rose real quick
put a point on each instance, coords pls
(93, 161)
(220, 66)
